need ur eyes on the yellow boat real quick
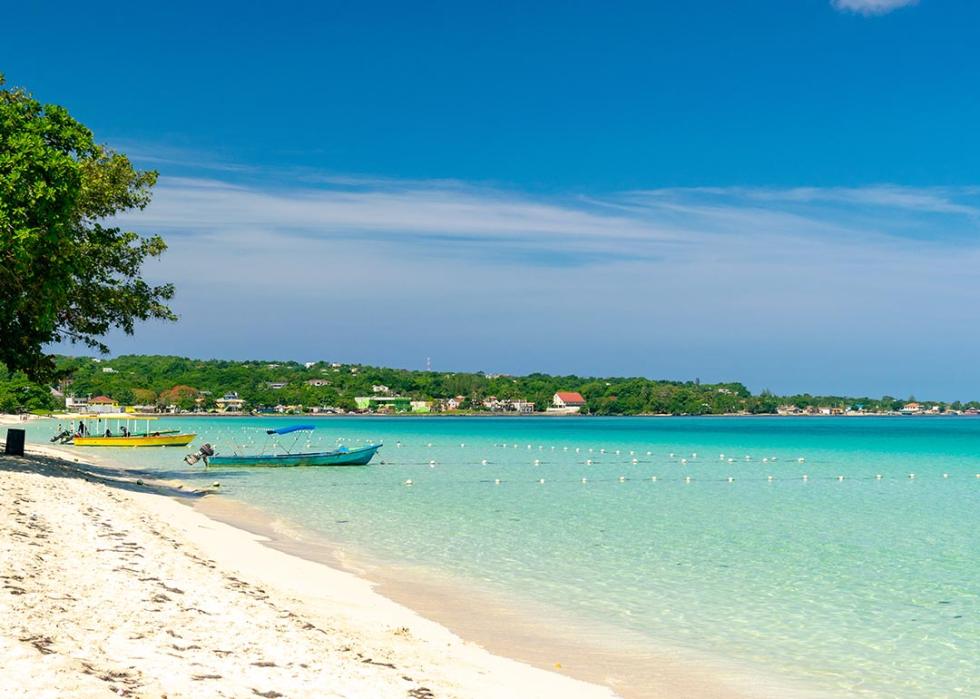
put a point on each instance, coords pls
(91, 433)
(149, 440)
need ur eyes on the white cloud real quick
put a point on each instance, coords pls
(721, 283)
(871, 7)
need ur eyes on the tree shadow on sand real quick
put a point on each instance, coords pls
(121, 479)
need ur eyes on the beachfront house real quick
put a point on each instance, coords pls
(230, 403)
(103, 404)
(567, 403)
(523, 407)
(421, 406)
(911, 408)
(76, 405)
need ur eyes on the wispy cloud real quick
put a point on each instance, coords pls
(871, 7)
(716, 282)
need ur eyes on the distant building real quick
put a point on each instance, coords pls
(567, 403)
(230, 403)
(108, 370)
(309, 365)
(911, 408)
(421, 406)
(317, 382)
(523, 407)
(788, 410)
(276, 385)
(76, 405)
(103, 404)
(380, 388)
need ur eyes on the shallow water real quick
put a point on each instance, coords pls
(863, 586)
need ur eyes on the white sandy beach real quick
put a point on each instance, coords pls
(110, 588)
(110, 585)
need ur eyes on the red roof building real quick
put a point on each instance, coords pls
(568, 399)
(101, 400)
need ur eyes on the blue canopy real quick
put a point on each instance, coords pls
(292, 428)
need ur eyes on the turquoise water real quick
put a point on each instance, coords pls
(863, 586)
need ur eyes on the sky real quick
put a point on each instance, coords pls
(779, 192)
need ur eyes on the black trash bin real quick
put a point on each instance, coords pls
(15, 442)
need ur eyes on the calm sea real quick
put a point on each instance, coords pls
(702, 533)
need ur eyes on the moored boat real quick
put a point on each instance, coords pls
(341, 456)
(90, 433)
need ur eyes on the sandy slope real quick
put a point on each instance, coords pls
(110, 588)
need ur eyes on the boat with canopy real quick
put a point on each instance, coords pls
(287, 455)
(96, 430)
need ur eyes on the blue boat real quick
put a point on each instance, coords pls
(341, 456)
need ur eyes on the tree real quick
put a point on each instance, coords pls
(65, 272)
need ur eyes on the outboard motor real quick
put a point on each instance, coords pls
(62, 437)
(204, 453)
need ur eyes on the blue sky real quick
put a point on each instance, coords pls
(783, 192)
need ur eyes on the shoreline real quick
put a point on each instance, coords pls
(386, 649)
(502, 630)
(628, 663)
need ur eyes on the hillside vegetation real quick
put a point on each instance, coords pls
(195, 384)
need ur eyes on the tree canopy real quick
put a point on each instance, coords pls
(66, 273)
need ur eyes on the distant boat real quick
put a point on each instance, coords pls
(341, 456)
(89, 433)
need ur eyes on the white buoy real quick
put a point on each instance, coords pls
(653, 478)
(840, 478)
(911, 476)
(622, 478)
(672, 455)
(483, 462)
(541, 480)
(731, 479)
(636, 461)
(877, 476)
(945, 475)
(769, 478)
(731, 461)
(588, 462)
(683, 461)
(687, 479)
(432, 462)
(496, 481)
(806, 477)
(429, 444)
(585, 480)
(649, 453)
(408, 482)
(602, 451)
(765, 460)
(694, 455)
(462, 445)
(537, 462)
(801, 459)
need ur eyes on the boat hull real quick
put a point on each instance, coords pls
(353, 457)
(162, 440)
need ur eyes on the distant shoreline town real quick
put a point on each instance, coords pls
(149, 384)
